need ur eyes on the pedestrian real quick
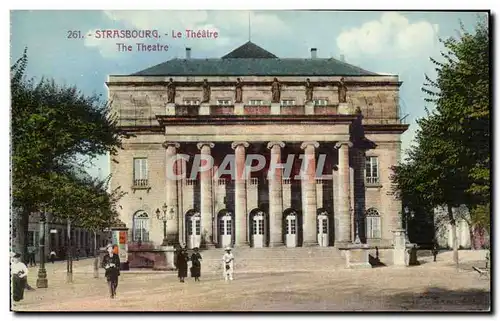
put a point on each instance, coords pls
(111, 263)
(196, 264)
(19, 273)
(182, 264)
(228, 264)
(32, 255)
(77, 254)
(435, 251)
(52, 256)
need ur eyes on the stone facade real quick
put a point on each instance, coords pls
(230, 212)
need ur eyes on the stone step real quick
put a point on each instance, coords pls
(272, 264)
(281, 252)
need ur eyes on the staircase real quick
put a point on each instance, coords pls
(279, 259)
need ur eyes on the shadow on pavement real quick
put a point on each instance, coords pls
(439, 299)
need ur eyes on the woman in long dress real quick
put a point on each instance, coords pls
(196, 264)
(182, 264)
(19, 272)
(111, 263)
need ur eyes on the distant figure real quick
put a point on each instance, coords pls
(32, 255)
(52, 256)
(182, 264)
(19, 273)
(196, 264)
(77, 255)
(376, 253)
(111, 263)
(228, 264)
(435, 251)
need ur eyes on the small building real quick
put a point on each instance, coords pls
(56, 237)
(475, 238)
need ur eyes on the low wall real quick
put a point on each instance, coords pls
(145, 255)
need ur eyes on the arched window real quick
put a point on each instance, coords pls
(373, 227)
(141, 227)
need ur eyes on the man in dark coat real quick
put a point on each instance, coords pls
(111, 263)
(182, 264)
(196, 264)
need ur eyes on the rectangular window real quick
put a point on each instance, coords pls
(371, 170)
(260, 227)
(255, 102)
(292, 226)
(189, 227)
(221, 227)
(288, 102)
(198, 227)
(140, 172)
(191, 102)
(325, 227)
(223, 102)
(228, 227)
(373, 227)
(320, 102)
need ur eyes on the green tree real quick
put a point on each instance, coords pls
(52, 126)
(461, 94)
(449, 165)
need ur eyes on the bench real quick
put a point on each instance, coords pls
(482, 272)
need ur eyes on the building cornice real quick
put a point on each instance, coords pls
(152, 83)
(254, 119)
(385, 128)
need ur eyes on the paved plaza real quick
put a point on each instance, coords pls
(431, 286)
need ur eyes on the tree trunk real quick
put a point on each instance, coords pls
(454, 239)
(22, 233)
(96, 257)
(472, 236)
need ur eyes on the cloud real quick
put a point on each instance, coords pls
(230, 27)
(393, 34)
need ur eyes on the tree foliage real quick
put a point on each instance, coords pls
(450, 163)
(52, 126)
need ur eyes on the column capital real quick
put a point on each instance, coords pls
(271, 144)
(201, 144)
(305, 144)
(166, 144)
(236, 144)
(339, 144)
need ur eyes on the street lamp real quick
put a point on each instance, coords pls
(162, 216)
(41, 281)
(357, 240)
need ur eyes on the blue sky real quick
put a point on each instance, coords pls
(386, 42)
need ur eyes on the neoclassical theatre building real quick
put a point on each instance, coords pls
(250, 102)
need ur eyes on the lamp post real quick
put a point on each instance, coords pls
(41, 281)
(69, 253)
(162, 216)
(357, 240)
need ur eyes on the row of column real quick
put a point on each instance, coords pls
(309, 201)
